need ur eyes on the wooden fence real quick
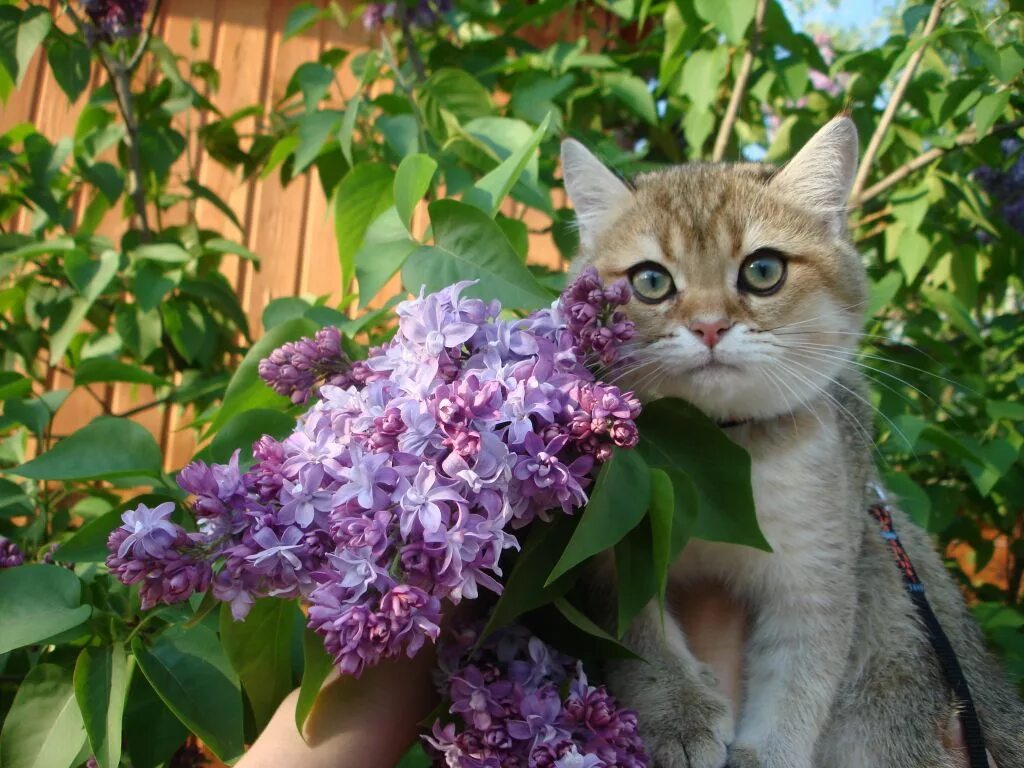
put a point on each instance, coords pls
(290, 229)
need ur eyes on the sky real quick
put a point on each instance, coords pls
(860, 15)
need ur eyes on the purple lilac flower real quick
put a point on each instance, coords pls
(1006, 187)
(10, 553)
(504, 716)
(110, 19)
(296, 369)
(404, 481)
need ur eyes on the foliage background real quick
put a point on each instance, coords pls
(108, 274)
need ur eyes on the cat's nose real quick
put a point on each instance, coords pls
(711, 332)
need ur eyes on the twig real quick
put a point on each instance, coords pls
(740, 87)
(136, 57)
(410, 44)
(890, 109)
(967, 137)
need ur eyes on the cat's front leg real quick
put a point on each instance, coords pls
(797, 653)
(685, 722)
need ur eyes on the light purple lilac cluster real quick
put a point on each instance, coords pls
(10, 553)
(424, 13)
(402, 488)
(517, 702)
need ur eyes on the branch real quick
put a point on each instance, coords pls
(967, 137)
(740, 88)
(136, 57)
(410, 44)
(892, 106)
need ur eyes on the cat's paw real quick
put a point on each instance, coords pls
(683, 725)
(743, 757)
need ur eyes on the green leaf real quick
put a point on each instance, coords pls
(314, 128)
(676, 436)
(1005, 409)
(634, 94)
(106, 178)
(106, 447)
(245, 428)
(247, 390)
(468, 245)
(672, 514)
(316, 666)
(702, 74)
(191, 674)
(385, 248)
(989, 110)
(44, 727)
(457, 93)
(37, 602)
(731, 18)
(314, 80)
(220, 245)
(89, 543)
(70, 62)
(581, 621)
(301, 18)
(101, 272)
(617, 505)
(958, 315)
(348, 125)
(13, 385)
(260, 650)
(412, 180)
(525, 588)
(488, 193)
(152, 731)
(910, 497)
(200, 192)
(636, 574)
(164, 253)
(101, 684)
(104, 369)
(21, 32)
(363, 194)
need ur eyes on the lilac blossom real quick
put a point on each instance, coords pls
(405, 480)
(501, 715)
(10, 553)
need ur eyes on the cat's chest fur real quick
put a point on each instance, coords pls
(805, 493)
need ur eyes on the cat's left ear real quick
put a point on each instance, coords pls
(819, 178)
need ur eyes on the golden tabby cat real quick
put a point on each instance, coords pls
(748, 298)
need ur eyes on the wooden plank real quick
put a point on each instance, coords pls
(279, 213)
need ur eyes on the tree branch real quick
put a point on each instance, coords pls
(967, 137)
(410, 43)
(890, 109)
(136, 57)
(740, 87)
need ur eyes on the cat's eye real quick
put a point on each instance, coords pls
(762, 272)
(651, 282)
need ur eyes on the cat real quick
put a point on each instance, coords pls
(748, 301)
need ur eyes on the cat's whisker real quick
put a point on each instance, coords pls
(890, 361)
(785, 400)
(828, 312)
(868, 403)
(891, 339)
(862, 430)
(825, 355)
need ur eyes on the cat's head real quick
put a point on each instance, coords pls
(748, 295)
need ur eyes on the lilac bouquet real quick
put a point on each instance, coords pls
(409, 475)
(518, 702)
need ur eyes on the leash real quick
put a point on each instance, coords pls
(973, 738)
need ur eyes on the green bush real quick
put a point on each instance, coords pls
(937, 213)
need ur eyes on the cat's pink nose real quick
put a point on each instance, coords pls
(710, 332)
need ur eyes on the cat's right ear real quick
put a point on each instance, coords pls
(596, 193)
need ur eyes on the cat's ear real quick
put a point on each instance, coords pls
(819, 178)
(594, 190)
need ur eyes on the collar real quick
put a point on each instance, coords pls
(727, 423)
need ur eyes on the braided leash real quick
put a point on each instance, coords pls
(973, 738)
